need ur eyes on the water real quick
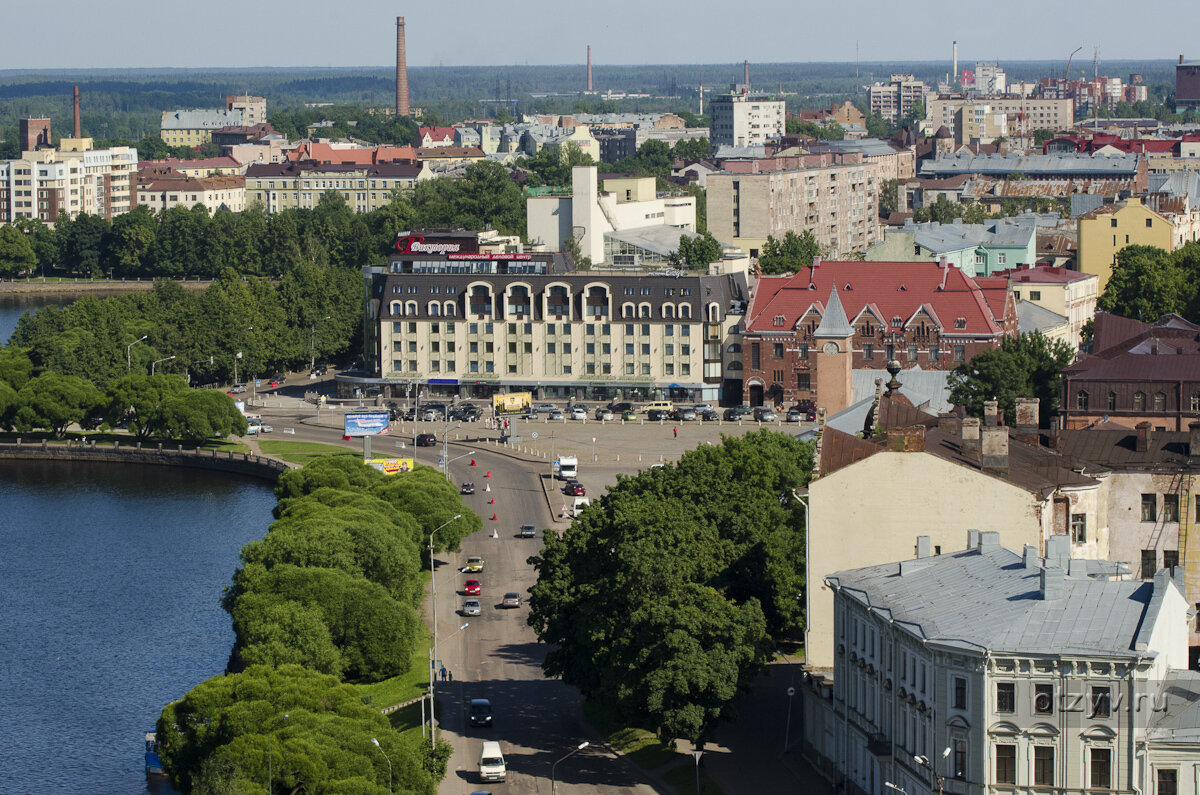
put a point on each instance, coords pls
(13, 305)
(112, 578)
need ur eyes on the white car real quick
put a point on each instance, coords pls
(578, 413)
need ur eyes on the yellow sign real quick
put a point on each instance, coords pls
(390, 466)
(512, 403)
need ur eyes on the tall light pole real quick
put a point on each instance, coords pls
(158, 362)
(576, 750)
(389, 761)
(446, 448)
(128, 356)
(696, 756)
(270, 777)
(449, 461)
(433, 596)
(937, 777)
(312, 344)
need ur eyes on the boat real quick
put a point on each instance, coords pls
(153, 763)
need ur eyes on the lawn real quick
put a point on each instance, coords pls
(400, 689)
(303, 452)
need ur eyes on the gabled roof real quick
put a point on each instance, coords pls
(359, 155)
(896, 289)
(1129, 350)
(435, 133)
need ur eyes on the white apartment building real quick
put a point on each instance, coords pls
(71, 180)
(896, 98)
(162, 192)
(990, 78)
(744, 118)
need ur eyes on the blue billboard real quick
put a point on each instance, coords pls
(372, 423)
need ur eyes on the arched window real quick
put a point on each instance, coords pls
(397, 308)
(558, 302)
(627, 310)
(1160, 401)
(734, 366)
(1081, 400)
(518, 300)
(481, 300)
(411, 308)
(668, 311)
(734, 347)
(1139, 401)
(685, 311)
(597, 302)
(644, 310)
(435, 309)
(450, 310)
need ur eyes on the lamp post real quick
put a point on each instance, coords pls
(450, 461)
(235, 361)
(696, 756)
(128, 350)
(312, 343)
(389, 761)
(446, 448)
(270, 776)
(433, 596)
(576, 750)
(938, 779)
(157, 362)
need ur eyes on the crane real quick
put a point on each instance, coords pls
(1067, 71)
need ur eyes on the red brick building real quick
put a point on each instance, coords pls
(919, 313)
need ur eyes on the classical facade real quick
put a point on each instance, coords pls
(195, 127)
(284, 186)
(160, 191)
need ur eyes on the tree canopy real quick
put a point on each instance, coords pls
(790, 254)
(1147, 283)
(1028, 365)
(697, 252)
(664, 599)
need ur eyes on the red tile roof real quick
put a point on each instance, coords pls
(435, 133)
(1043, 274)
(361, 156)
(888, 289)
(207, 162)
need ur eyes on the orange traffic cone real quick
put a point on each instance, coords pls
(489, 474)
(472, 462)
(494, 517)
(492, 501)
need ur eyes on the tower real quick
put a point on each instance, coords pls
(835, 357)
(954, 74)
(33, 134)
(402, 108)
(78, 132)
(746, 73)
(589, 88)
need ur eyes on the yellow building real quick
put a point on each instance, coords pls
(195, 127)
(285, 186)
(1108, 229)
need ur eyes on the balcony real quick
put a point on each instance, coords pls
(879, 746)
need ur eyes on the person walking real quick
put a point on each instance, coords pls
(676, 432)
(450, 675)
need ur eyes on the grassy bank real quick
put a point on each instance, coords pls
(302, 452)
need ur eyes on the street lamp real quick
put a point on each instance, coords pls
(158, 362)
(938, 779)
(576, 750)
(389, 761)
(433, 594)
(446, 462)
(128, 349)
(696, 756)
(270, 777)
(312, 343)
(446, 447)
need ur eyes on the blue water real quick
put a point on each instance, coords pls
(111, 577)
(12, 306)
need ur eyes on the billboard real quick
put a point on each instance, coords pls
(390, 466)
(366, 423)
(512, 403)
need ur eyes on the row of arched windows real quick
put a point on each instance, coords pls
(518, 302)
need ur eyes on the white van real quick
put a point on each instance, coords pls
(579, 504)
(661, 405)
(568, 467)
(491, 762)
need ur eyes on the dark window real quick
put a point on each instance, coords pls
(1149, 507)
(1101, 702)
(1112, 401)
(1149, 223)
(804, 381)
(1006, 697)
(1149, 563)
(1043, 699)
(868, 351)
(960, 692)
(1006, 764)
(959, 769)
(1166, 782)
(777, 349)
(1160, 401)
(1101, 768)
(1170, 559)
(1113, 222)
(755, 356)
(960, 353)
(1170, 507)
(912, 353)
(1139, 401)
(1043, 765)
(1081, 400)
(1078, 528)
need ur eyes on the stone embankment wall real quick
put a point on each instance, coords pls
(155, 454)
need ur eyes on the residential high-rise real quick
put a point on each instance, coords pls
(1187, 85)
(402, 108)
(743, 118)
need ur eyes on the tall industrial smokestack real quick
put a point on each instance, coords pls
(746, 73)
(78, 132)
(954, 75)
(402, 108)
(589, 67)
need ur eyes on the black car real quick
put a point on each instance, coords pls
(467, 488)
(619, 408)
(480, 712)
(656, 415)
(426, 440)
(708, 415)
(738, 412)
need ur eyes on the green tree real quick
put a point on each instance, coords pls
(138, 399)
(55, 402)
(16, 368)
(129, 241)
(318, 733)
(1145, 284)
(697, 252)
(81, 241)
(486, 197)
(426, 495)
(889, 199)
(1029, 365)
(691, 149)
(198, 415)
(43, 240)
(790, 254)
(552, 165)
(1040, 136)
(16, 253)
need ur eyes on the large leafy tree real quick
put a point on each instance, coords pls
(1029, 365)
(138, 400)
(790, 254)
(198, 415)
(1147, 282)
(55, 402)
(486, 197)
(665, 598)
(16, 253)
(697, 252)
(316, 731)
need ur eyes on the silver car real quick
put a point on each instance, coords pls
(471, 607)
(604, 415)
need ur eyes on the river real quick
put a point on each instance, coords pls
(113, 576)
(12, 306)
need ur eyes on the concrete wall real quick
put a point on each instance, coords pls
(548, 220)
(156, 454)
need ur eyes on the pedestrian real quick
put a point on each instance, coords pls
(443, 673)
(676, 432)
(450, 675)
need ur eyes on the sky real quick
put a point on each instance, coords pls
(220, 33)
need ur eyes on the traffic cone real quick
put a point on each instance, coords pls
(495, 533)
(472, 462)
(492, 501)
(487, 486)
(489, 474)
(494, 518)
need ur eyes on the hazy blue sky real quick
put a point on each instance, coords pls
(137, 33)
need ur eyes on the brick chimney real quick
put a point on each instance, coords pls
(993, 448)
(991, 411)
(1027, 420)
(1143, 436)
(970, 437)
(906, 440)
(950, 424)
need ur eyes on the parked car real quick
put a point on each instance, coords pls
(683, 414)
(527, 531)
(466, 488)
(794, 415)
(604, 414)
(708, 415)
(807, 408)
(628, 414)
(578, 413)
(237, 389)
(472, 588)
(555, 415)
(544, 407)
(480, 711)
(738, 413)
(426, 440)
(620, 408)
(511, 599)
(474, 563)
(575, 488)
(656, 415)
(764, 414)
(471, 607)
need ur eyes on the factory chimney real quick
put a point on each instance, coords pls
(402, 108)
(746, 73)
(78, 133)
(954, 75)
(589, 68)
(701, 97)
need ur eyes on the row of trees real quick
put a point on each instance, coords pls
(1148, 282)
(945, 211)
(329, 595)
(662, 602)
(1027, 365)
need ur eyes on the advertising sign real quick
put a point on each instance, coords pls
(372, 423)
(512, 403)
(391, 466)
(417, 244)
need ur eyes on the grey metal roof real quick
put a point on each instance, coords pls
(989, 599)
(834, 322)
(1179, 722)
(1032, 165)
(201, 119)
(927, 390)
(663, 240)
(728, 152)
(1177, 183)
(1031, 317)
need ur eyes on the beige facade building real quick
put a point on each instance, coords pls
(254, 109)
(978, 124)
(195, 127)
(834, 197)
(895, 98)
(1025, 114)
(1065, 292)
(159, 191)
(283, 186)
(72, 179)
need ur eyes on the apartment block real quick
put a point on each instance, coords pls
(1025, 114)
(195, 127)
(895, 98)
(254, 109)
(162, 189)
(744, 118)
(72, 179)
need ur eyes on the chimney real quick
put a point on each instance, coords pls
(1194, 439)
(746, 74)
(991, 409)
(1030, 557)
(989, 541)
(1143, 436)
(1027, 420)
(1181, 57)
(972, 539)
(922, 546)
(993, 447)
(970, 437)
(402, 108)
(589, 67)
(78, 131)
(906, 440)
(1053, 584)
(950, 424)
(1058, 551)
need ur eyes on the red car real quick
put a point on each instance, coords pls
(575, 488)
(471, 588)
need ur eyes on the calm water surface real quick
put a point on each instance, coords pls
(112, 578)
(13, 306)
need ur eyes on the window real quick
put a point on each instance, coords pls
(912, 353)
(1139, 401)
(1112, 222)
(1101, 702)
(804, 381)
(1170, 559)
(1081, 400)
(1078, 528)
(1170, 507)
(1149, 507)
(777, 349)
(1043, 699)
(1100, 768)
(1194, 403)
(1035, 295)
(1112, 401)
(960, 353)
(1166, 782)
(1149, 223)
(960, 692)
(1006, 764)
(1006, 697)
(645, 349)
(959, 761)
(1149, 563)
(755, 356)
(629, 349)
(868, 351)
(1000, 259)
(980, 258)
(934, 353)
(803, 352)
(1043, 765)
